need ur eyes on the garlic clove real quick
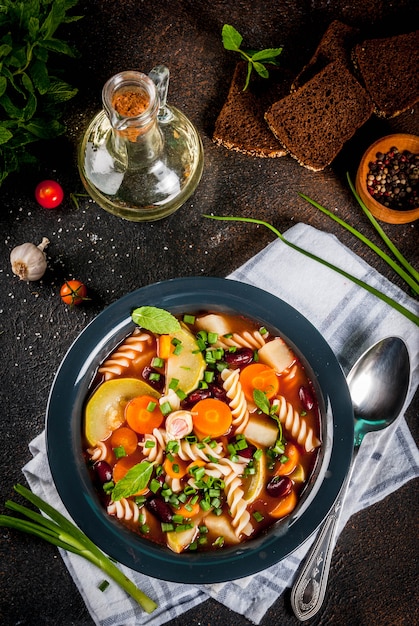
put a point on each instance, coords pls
(29, 261)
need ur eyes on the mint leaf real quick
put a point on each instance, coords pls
(261, 70)
(266, 55)
(231, 38)
(135, 480)
(156, 320)
(261, 401)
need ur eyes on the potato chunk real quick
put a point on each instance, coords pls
(277, 355)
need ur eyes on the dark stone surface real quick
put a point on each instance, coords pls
(374, 568)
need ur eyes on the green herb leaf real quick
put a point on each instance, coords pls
(266, 55)
(261, 401)
(231, 38)
(136, 479)
(156, 320)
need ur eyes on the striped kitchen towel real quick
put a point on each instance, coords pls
(350, 319)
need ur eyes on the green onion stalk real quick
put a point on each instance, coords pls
(379, 294)
(59, 531)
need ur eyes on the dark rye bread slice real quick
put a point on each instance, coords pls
(389, 69)
(335, 45)
(241, 124)
(314, 122)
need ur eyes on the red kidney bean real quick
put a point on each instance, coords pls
(306, 398)
(239, 358)
(217, 392)
(196, 396)
(103, 471)
(279, 486)
(248, 452)
(158, 507)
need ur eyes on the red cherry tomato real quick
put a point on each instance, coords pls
(49, 194)
(73, 292)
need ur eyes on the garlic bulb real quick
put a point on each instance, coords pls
(29, 262)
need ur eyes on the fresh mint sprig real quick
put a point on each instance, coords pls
(58, 530)
(256, 60)
(379, 294)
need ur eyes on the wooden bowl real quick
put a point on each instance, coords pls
(381, 212)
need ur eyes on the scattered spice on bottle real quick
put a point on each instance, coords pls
(130, 103)
(392, 179)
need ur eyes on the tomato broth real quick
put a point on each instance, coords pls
(203, 437)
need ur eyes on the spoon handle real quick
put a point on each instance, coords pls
(309, 589)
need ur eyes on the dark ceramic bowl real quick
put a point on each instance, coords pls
(64, 431)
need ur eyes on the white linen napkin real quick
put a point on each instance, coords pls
(351, 320)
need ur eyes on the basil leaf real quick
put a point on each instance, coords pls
(261, 401)
(135, 480)
(156, 320)
(231, 38)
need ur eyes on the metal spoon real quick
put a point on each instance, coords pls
(378, 384)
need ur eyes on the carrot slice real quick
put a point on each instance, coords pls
(164, 347)
(211, 417)
(259, 376)
(285, 506)
(125, 438)
(176, 468)
(191, 511)
(291, 451)
(195, 464)
(143, 414)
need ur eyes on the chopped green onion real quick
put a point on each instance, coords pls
(151, 406)
(157, 362)
(155, 376)
(103, 585)
(174, 383)
(180, 394)
(181, 527)
(212, 338)
(119, 452)
(189, 319)
(58, 530)
(382, 296)
(150, 444)
(178, 519)
(219, 542)
(209, 376)
(258, 516)
(154, 485)
(167, 527)
(166, 408)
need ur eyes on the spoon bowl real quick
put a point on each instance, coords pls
(378, 384)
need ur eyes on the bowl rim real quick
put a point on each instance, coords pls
(63, 431)
(392, 216)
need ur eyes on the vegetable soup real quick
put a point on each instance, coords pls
(201, 430)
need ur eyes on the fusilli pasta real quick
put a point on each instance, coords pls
(236, 397)
(295, 424)
(126, 354)
(246, 339)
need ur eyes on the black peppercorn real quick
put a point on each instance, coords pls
(393, 177)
